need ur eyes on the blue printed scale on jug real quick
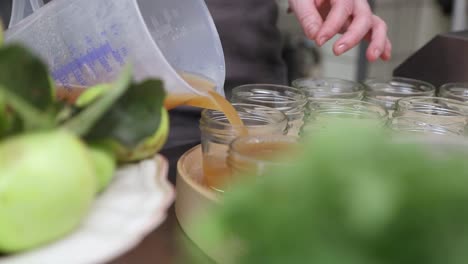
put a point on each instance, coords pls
(84, 68)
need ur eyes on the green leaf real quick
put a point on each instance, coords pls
(24, 75)
(32, 118)
(355, 197)
(91, 94)
(1, 33)
(26, 91)
(5, 123)
(134, 117)
(87, 118)
(65, 113)
(10, 124)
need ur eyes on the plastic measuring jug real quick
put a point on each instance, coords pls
(19, 10)
(36, 4)
(85, 42)
(23, 8)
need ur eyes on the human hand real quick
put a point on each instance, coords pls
(323, 19)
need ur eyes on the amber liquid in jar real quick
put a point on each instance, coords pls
(215, 169)
(255, 155)
(263, 150)
(69, 95)
(218, 171)
(217, 135)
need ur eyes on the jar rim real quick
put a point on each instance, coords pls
(335, 103)
(424, 102)
(315, 86)
(424, 130)
(451, 91)
(396, 125)
(219, 119)
(298, 98)
(387, 104)
(398, 87)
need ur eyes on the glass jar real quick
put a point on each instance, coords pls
(217, 133)
(290, 101)
(330, 88)
(411, 125)
(387, 93)
(324, 111)
(455, 91)
(255, 155)
(430, 115)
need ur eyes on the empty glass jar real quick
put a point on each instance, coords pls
(330, 88)
(387, 93)
(322, 112)
(430, 115)
(217, 133)
(255, 155)
(290, 101)
(456, 91)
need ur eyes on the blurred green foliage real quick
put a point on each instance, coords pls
(354, 196)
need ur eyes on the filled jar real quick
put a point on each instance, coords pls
(289, 100)
(455, 91)
(217, 133)
(324, 111)
(330, 88)
(430, 115)
(256, 155)
(387, 93)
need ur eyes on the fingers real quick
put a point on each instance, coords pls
(340, 12)
(387, 55)
(356, 31)
(308, 16)
(353, 17)
(378, 42)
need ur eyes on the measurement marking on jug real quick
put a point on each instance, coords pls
(93, 57)
(95, 61)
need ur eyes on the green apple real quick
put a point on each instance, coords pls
(104, 164)
(148, 147)
(145, 149)
(47, 184)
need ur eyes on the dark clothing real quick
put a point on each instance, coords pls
(5, 12)
(251, 41)
(252, 49)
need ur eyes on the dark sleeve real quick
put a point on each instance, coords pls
(5, 11)
(446, 5)
(251, 41)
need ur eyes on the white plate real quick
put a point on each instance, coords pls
(133, 205)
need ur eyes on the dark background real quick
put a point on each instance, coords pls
(5, 10)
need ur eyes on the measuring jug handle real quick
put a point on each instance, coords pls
(18, 10)
(36, 4)
(23, 8)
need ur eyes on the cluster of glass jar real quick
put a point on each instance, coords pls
(272, 116)
(274, 113)
(332, 100)
(404, 105)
